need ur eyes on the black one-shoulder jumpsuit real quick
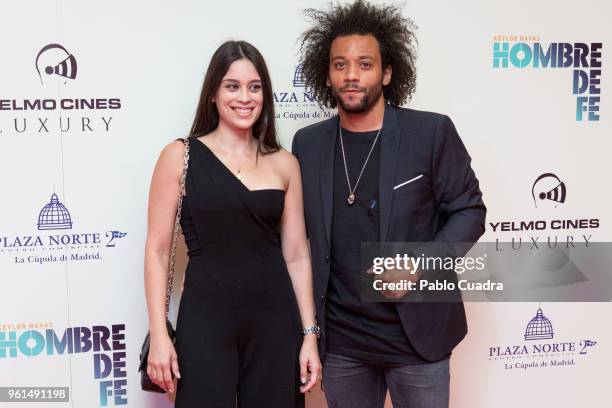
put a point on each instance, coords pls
(238, 324)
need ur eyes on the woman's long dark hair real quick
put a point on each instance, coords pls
(207, 117)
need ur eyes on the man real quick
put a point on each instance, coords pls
(379, 173)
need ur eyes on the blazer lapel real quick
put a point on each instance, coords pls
(328, 144)
(390, 137)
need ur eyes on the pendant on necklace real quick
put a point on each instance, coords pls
(239, 175)
(351, 199)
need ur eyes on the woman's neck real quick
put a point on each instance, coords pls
(231, 139)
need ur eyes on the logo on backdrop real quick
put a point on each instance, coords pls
(64, 65)
(298, 77)
(54, 215)
(548, 192)
(296, 102)
(539, 328)
(43, 113)
(54, 243)
(105, 343)
(583, 58)
(540, 349)
(548, 188)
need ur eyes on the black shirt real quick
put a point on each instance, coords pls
(368, 331)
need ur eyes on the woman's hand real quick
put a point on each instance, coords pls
(162, 362)
(310, 364)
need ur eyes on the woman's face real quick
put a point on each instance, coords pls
(239, 98)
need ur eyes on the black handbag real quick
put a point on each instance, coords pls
(145, 382)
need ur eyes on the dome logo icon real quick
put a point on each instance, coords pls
(539, 327)
(298, 77)
(54, 59)
(54, 216)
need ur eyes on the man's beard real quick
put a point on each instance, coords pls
(370, 96)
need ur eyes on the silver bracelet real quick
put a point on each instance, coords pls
(312, 330)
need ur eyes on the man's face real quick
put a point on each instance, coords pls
(356, 75)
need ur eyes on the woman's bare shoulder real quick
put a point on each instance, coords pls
(171, 157)
(284, 159)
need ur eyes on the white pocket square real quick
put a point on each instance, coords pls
(408, 181)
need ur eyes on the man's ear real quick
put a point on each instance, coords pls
(327, 82)
(387, 75)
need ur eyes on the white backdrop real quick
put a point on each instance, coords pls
(147, 60)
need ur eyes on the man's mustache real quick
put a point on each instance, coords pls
(352, 86)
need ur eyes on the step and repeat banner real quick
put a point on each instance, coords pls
(90, 92)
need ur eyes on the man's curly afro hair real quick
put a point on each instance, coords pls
(395, 35)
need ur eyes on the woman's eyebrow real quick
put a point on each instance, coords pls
(237, 81)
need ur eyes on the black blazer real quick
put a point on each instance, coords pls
(443, 205)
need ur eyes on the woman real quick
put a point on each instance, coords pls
(248, 285)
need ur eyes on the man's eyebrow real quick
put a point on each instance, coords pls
(360, 57)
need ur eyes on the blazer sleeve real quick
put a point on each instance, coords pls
(455, 186)
(294, 143)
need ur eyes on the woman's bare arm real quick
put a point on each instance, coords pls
(162, 207)
(297, 257)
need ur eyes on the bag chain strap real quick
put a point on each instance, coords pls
(176, 227)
